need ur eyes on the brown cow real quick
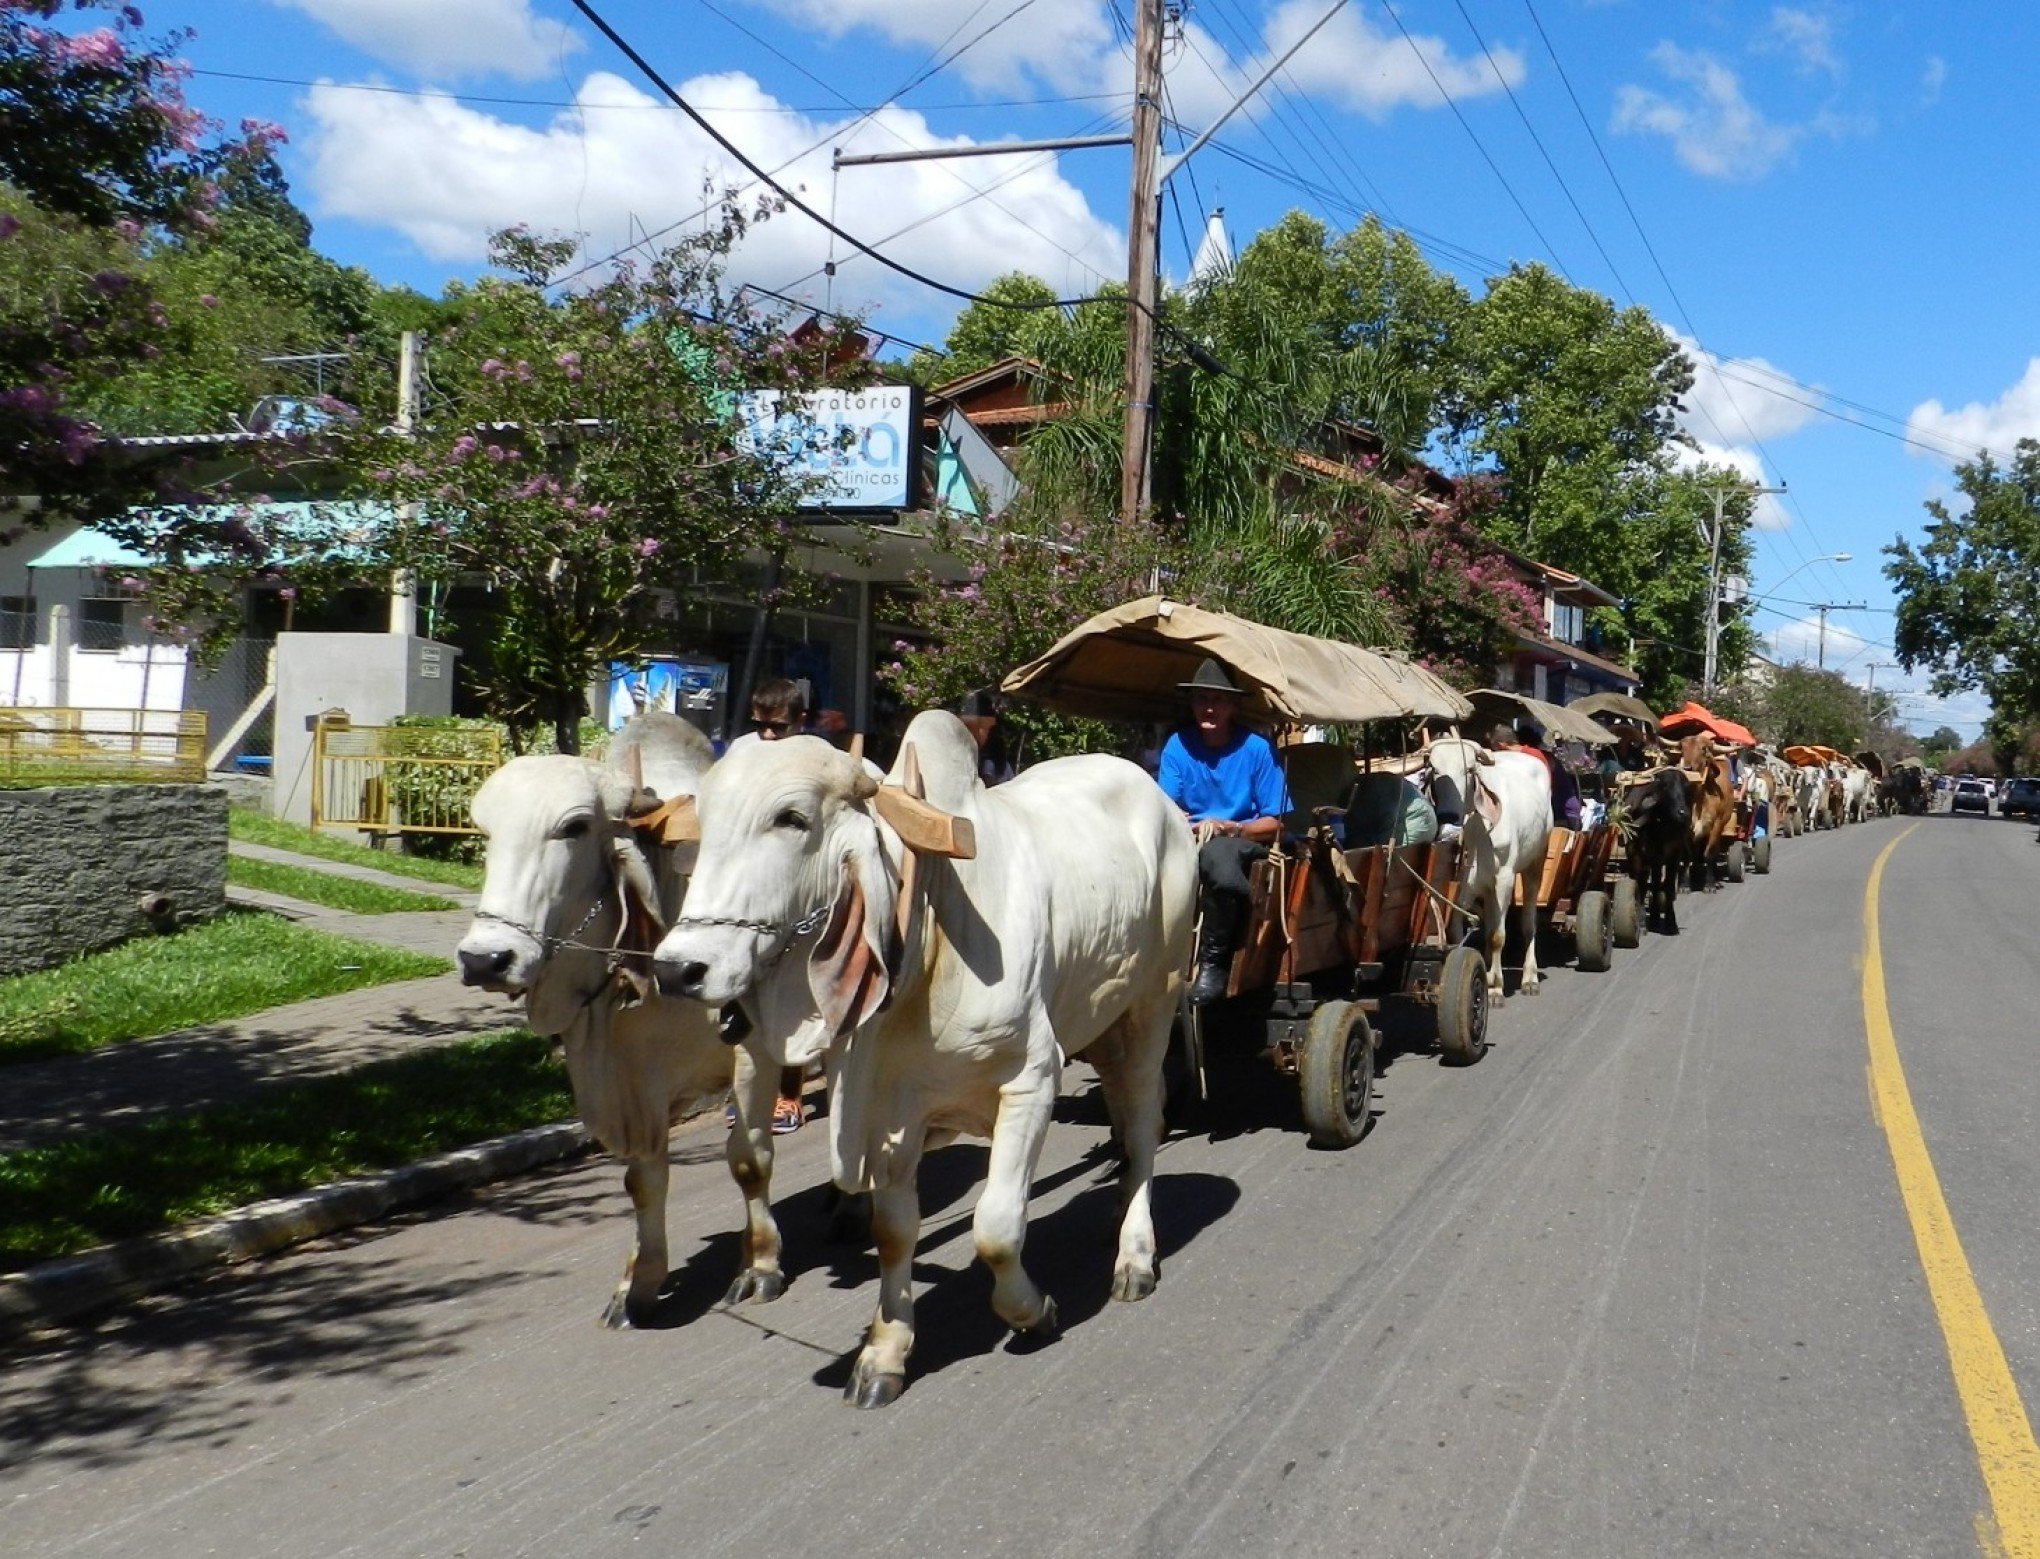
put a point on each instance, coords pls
(1713, 796)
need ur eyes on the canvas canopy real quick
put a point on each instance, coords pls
(1615, 706)
(1813, 755)
(1559, 722)
(1127, 664)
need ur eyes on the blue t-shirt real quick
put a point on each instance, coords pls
(1238, 783)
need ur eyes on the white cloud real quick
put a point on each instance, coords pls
(1375, 71)
(1072, 46)
(446, 39)
(1808, 36)
(1714, 130)
(445, 176)
(1730, 409)
(1997, 426)
(1932, 79)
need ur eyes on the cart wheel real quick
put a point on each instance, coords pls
(1462, 1007)
(1336, 1073)
(1760, 856)
(1594, 933)
(1624, 921)
(1735, 861)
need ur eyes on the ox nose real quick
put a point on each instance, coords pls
(681, 979)
(480, 968)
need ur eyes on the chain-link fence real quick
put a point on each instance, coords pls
(229, 693)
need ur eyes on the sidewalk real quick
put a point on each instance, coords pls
(44, 1101)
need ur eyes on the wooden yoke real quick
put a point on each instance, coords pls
(662, 822)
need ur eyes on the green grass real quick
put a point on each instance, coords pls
(227, 968)
(260, 828)
(138, 1179)
(317, 887)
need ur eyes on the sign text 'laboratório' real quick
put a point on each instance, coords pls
(860, 443)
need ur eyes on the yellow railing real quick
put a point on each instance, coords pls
(399, 779)
(54, 746)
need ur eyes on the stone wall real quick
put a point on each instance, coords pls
(86, 866)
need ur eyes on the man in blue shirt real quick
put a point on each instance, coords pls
(1228, 783)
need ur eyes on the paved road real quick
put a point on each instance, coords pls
(1641, 1283)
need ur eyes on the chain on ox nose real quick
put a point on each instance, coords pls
(784, 934)
(547, 942)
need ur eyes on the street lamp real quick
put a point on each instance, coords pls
(1826, 557)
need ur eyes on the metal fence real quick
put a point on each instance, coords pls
(48, 746)
(400, 779)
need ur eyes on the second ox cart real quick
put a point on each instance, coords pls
(1339, 921)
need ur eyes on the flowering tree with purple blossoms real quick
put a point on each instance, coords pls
(95, 140)
(585, 455)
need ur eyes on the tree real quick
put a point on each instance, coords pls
(1007, 324)
(1805, 705)
(1969, 595)
(95, 140)
(1946, 739)
(1574, 404)
(590, 449)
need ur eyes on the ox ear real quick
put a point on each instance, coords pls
(1487, 806)
(847, 973)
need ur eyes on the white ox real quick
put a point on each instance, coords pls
(946, 958)
(1858, 786)
(573, 899)
(1504, 801)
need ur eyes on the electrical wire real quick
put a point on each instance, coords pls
(1538, 141)
(1493, 167)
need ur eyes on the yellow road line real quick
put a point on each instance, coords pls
(2003, 1435)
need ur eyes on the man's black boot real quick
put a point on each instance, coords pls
(1223, 913)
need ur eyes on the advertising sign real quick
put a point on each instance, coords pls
(692, 688)
(862, 444)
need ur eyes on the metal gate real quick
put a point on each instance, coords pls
(50, 746)
(397, 779)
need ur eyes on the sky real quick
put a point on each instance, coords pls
(1827, 203)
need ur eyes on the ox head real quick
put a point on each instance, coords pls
(1659, 803)
(1456, 785)
(794, 910)
(564, 887)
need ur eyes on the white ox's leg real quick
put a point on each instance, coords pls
(749, 1152)
(645, 1274)
(1129, 1063)
(1494, 924)
(999, 1227)
(1527, 924)
(880, 1374)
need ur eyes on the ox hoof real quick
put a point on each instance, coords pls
(873, 1388)
(1531, 988)
(1045, 1327)
(620, 1315)
(755, 1287)
(1132, 1283)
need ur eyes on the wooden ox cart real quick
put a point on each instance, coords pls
(1334, 927)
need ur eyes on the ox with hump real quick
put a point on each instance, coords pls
(574, 898)
(945, 954)
(1504, 800)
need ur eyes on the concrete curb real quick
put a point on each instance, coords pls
(72, 1286)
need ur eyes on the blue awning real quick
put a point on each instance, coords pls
(87, 548)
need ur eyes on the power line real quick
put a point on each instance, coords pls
(1538, 141)
(1493, 167)
(666, 89)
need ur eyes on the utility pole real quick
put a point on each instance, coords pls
(1719, 492)
(1824, 608)
(1143, 224)
(403, 594)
